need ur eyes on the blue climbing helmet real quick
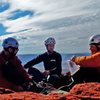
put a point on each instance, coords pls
(10, 42)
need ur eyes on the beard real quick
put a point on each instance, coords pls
(12, 54)
(50, 51)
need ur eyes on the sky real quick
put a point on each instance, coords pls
(70, 22)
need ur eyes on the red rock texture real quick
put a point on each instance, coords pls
(86, 91)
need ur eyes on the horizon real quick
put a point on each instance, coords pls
(60, 53)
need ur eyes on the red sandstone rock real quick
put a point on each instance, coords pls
(86, 91)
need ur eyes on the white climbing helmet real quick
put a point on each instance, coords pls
(50, 40)
(95, 39)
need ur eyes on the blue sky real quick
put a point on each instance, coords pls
(70, 22)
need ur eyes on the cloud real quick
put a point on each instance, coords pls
(69, 21)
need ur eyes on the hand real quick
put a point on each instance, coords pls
(30, 78)
(46, 72)
(73, 58)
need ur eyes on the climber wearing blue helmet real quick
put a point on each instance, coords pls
(12, 73)
(10, 46)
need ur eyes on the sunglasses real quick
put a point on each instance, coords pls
(13, 48)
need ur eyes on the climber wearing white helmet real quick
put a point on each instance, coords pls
(94, 43)
(51, 60)
(50, 43)
(93, 61)
(12, 73)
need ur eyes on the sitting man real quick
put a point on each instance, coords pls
(52, 64)
(12, 73)
(90, 65)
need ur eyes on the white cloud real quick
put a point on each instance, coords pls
(69, 20)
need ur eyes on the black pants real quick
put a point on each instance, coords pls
(87, 75)
(38, 76)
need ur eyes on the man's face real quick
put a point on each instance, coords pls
(50, 47)
(13, 51)
(93, 48)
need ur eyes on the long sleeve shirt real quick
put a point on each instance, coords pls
(17, 64)
(89, 61)
(51, 62)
